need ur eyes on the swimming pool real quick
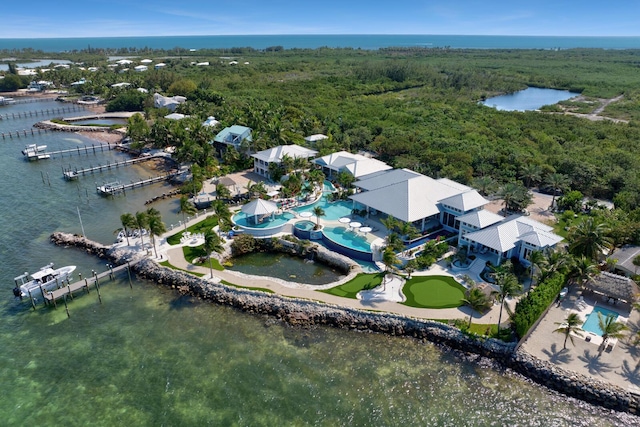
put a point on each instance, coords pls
(346, 238)
(243, 220)
(332, 210)
(591, 324)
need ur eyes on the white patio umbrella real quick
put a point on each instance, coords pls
(259, 207)
(345, 220)
(306, 214)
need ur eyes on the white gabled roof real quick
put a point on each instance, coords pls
(465, 201)
(408, 200)
(506, 235)
(275, 154)
(356, 164)
(384, 178)
(481, 218)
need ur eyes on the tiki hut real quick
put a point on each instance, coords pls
(613, 286)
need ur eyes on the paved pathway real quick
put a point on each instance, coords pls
(174, 255)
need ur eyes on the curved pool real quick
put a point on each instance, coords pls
(247, 221)
(332, 210)
(347, 242)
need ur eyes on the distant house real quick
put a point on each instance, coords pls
(211, 122)
(263, 159)
(312, 139)
(159, 65)
(175, 116)
(140, 68)
(625, 256)
(171, 103)
(232, 136)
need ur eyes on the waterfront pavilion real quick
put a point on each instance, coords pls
(259, 208)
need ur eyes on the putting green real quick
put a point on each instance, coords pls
(433, 292)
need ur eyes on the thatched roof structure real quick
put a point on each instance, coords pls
(614, 286)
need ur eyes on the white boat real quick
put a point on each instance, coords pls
(6, 101)
(45, 279)
(33, 148)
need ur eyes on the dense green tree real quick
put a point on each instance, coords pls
(589, 239)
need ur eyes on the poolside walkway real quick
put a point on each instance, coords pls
(175, 256)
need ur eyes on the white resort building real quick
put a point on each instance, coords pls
(263, 159)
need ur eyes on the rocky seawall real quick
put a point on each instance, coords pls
(307, 313)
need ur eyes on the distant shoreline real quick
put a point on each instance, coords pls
(315, 41)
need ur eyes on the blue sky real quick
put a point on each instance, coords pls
(92, 18)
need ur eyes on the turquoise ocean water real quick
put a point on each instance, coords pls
(147, 356)
(318, 40)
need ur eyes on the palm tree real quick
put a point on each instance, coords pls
(222, 192)
(142, 221)
(530, 173)
(410, 267)
(477, 300)
(186, 208)
(537, 259)
(156, 228)
(557, 181)
(484, 184)
(570, 325)
(589, 239)
(390, 223)
(508, 194)
(610, 328)
(318, 212)
(212, 244)
(127, 220)
(509, 287)
(389, 259)
(582, 269)
(394, 242)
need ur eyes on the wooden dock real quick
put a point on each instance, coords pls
(70, 174)
(116, 187)
(86, 284)
(29, 155)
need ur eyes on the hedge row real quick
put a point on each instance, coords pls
(531, 307)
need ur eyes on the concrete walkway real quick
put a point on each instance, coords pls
(382, 301)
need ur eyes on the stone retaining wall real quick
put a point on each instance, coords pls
(308, 313)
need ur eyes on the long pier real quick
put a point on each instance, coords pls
(24, 133)
(71, 151)
(116, 188)
(42, 113)
(84, 284)
(70, 174)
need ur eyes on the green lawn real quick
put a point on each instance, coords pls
(357, 284)
(433, 292)
(191, 253)
(173, 267)
(200, 227)
(224, 282)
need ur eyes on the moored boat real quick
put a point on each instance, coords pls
(33, 148)
(45, 279)
(6, 101)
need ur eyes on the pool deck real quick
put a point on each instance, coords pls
(619, 365)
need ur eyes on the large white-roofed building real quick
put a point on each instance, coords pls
(262, 159)
(412, 197)
(355, 164)
(515, 236)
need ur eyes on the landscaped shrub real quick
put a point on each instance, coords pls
(529, 308)
(243, 244)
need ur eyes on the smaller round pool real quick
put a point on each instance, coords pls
(305, 225)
